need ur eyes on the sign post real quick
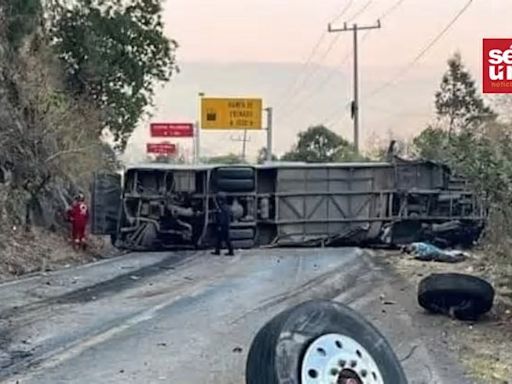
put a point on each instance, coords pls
(172, 130)
(197, 152)
(235, 114)
(269, 133)
(228, 114)
(163, 148)
(165, 130)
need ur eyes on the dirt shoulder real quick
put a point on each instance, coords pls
(483, 347)
(25, 253)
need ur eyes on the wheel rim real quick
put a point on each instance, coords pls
(338, 359)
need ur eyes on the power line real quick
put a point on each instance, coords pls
(329, 49)
(406, 69)
(391, 9)
(313, 52)
(403, 72)
(332, 117)
(358, 13)
(288, 102)
(355, 103)
(401, 113)
(342, 12)
(327, 79)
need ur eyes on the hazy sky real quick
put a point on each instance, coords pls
(286, 30)
(264, 32)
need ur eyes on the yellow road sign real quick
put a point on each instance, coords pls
(238, 113)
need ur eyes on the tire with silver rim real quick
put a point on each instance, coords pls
(321, 342)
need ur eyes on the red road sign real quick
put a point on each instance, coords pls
(172, 130)
(161, 148)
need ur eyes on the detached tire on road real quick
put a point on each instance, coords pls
(321, 342)
(235, 185)
(463, 296)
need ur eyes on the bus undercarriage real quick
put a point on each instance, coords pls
(156, 206)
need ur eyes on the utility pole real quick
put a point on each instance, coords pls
(244, 141)
(244, 145)
(269, 134)
(355, 103)
(197, 151)
(197, 133)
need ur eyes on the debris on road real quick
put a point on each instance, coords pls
(385, 301)
(428, 252)
(460, 296)
(482, 349)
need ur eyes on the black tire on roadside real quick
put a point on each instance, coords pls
(235, 185)
(235, 173)
(278, 351)
(241, 234)
(470, 296)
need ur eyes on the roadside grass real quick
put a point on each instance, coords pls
(24, 253)
(483, 347)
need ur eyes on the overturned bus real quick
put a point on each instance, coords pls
(162, 206)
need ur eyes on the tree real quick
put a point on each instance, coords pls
(460, 110)
(22, 18)
(379, 149)
(225, 159)
(432, 144)
(503, 104)
(164, 159)
(475, 145)
(113, 52)
(457, 102)
(320, 145)
(262, 156)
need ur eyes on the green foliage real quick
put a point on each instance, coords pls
(162, 159)
(432, 144)
(114, 52)
(503, 105)
(320, 145)
(386, 152)
(22, 19)
(457, 102)
(224, 159)
(475, 146)
(460, 110)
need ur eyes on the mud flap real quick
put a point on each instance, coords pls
(105, 203)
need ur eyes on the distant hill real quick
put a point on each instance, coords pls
(404, 109)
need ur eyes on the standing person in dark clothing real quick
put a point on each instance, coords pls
(223, 220)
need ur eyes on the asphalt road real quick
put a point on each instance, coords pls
(189, 318)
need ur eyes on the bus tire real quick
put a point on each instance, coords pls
(321, 341)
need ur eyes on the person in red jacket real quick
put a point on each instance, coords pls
(78, 215)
